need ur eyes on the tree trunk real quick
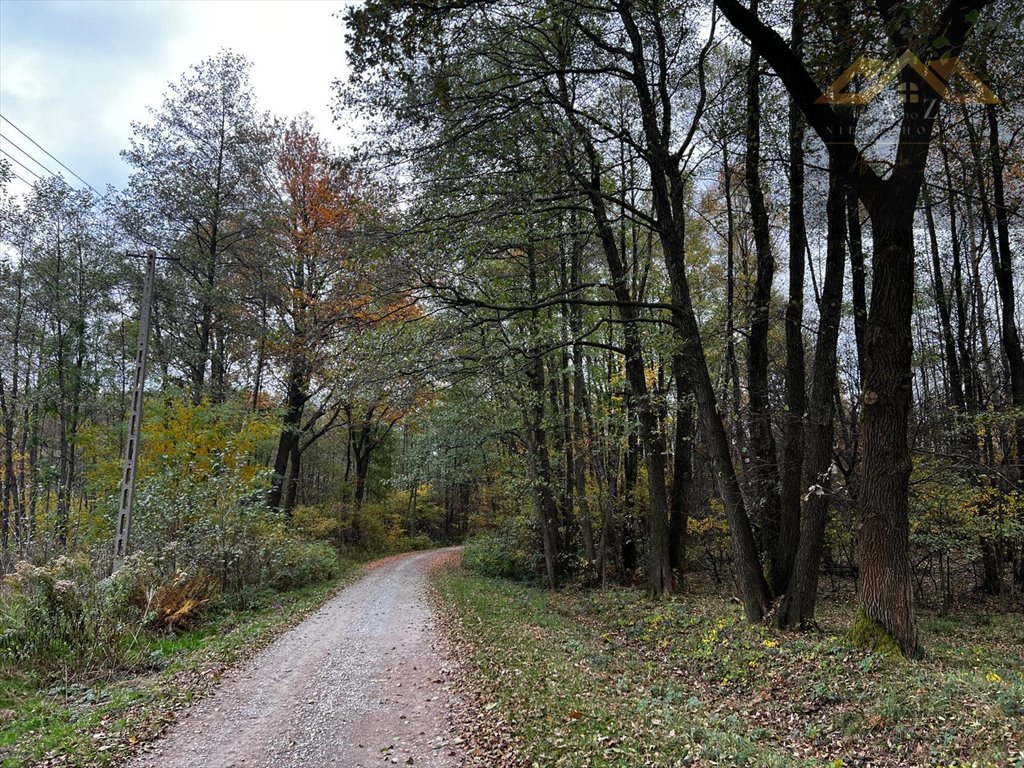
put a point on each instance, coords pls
(682, 472)
(945, 323)
(537, 441)
(797, 607)
(764, 471)
(732, 368)
(6, 491)
(796, 398)
(629, 554)
(886, 594)
(1002, 267)
(659, 573)
(287, 444)
(540, 470)
(582, 435)
(294, 477)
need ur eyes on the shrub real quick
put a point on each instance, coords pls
(301, 563)
(315, 522)
(708, 539)
(219, 526)
(59, 616)
(380, 527)
(509, 552)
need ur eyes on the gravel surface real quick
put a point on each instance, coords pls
(360, 683)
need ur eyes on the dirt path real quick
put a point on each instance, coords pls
(358, 684)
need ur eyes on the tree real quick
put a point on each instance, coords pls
(197, 195)
(886, 595)
(310, 286)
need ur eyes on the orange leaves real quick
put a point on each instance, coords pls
(318, 192)
(324, 288)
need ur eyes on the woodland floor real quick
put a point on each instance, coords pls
(422, 663)
(606, 678)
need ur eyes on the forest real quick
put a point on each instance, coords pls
(645, 304)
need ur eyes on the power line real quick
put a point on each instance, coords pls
(28, 155)
(8, 121)
(19, 178)
(16, 160)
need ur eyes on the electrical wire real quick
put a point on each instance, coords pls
(52, 157)
(19, 178)
(28, 155)
(16, 160)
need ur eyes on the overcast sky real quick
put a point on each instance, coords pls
(74, 74)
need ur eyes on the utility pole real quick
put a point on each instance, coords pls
(131, 451)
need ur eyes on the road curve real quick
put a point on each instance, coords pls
(357, 684)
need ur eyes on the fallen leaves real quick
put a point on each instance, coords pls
(605, 678)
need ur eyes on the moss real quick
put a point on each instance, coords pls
(768, 576)
(868, 633)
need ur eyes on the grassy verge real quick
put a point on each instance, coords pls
(608, 679)
(99, 722)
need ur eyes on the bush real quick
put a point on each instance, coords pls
(380, 527)
(708, 540)
(60, 616)
(418, 542)
(301, 563)
(510, 552)
(315, 522)
(220, 527)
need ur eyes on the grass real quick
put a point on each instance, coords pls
(99, 722)
(606, 678)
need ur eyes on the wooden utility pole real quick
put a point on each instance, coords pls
(131, 451)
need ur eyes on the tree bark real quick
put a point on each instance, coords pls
(796, 398)
(295, 402)
(796, 610)
(886, 597)
(537, 441)
(763, 462)
(669, 196)
(582, 434)
(682, 472)
(1002, 267)
(886, 594)
(659, 572)
(956, 388)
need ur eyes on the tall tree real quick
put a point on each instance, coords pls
(764, 468)
(196, 195)
(313, 291)
(886, 595)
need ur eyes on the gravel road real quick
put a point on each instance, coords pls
(358, 684)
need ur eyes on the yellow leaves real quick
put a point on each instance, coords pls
(199, 439)
(651, 375)
(995, 502)
(992, 677)
(315, 522)
(705, 526)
